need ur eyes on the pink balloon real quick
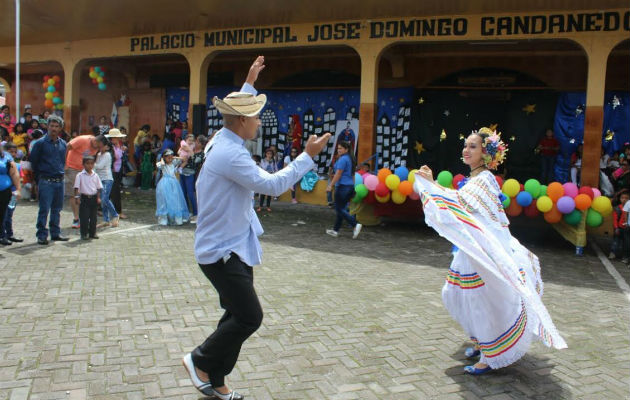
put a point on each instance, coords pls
(596, 192)
(414, 196)
(370, 181)
(570, 189)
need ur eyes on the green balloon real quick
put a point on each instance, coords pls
(573, 218)
(593, 218)
(361, 191)
(445, 178)
(543, 190)
(506, 202)
(533, 187)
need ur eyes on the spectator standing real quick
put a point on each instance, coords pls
(549, 148)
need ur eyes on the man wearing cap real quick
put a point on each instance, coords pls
(48, 159)
(226, 239)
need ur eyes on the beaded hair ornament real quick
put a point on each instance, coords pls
(493, 148)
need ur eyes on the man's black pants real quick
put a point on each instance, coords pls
(87, 215)
(234, 281)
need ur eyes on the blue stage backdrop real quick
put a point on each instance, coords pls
(569, 126)
(318, 111)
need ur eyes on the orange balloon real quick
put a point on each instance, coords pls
(553, 216)
(383, 173)
(45, 85)
(48, 103)
(582, 202)
(405, 188)
(56, 78)
(514, 209)
(555, 191)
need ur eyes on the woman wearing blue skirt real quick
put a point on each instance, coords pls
(170, 202)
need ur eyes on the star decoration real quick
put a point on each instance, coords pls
(447, 113)
(419, 147)
(609, 135)
(443, 135)
(461, 136)
(572, 141)
(340, 98)
(280, 107)
(421, 100)
(401, 100)
(529, 108)
(615, 102)
(512, 138)
(579, 110)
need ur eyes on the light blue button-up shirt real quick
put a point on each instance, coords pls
(226, 220)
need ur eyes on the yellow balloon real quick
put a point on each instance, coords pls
(51, 82)
(93, 74)
(99, 79)
(398, 197)
(382, 199)
(544, 204)
(511, 187)
(412, 176)
(602, 205)
(392, 182)
(49, 95)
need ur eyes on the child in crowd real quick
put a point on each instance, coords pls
(270, 165)
(6, 231)
(18, 137)
(170, 201)
(364, 169)
(293, 153)
(87, 186)
(187, 172)
(620, 223)
(146, 166)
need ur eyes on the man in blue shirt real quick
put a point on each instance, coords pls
(48, 160)
(226, 239)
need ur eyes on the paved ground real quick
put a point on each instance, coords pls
(344, 319)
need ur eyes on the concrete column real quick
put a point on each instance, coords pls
(198, 86)
(71, 86)
(370, 57)
(597, 51)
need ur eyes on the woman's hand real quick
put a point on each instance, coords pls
(426, 173)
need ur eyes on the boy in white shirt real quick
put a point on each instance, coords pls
(87, 187)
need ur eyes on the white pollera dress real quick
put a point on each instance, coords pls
(493, 288)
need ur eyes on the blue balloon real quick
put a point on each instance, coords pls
(402, 172)
(358, 179)
(524, 199)
(97, 69)
(102, 86)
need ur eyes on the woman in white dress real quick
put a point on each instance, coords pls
(493, 287)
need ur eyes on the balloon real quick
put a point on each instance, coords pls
(499, 180)
(544, 204)
(565, 204)
(392, 182)
(531, 211)
(91, 69)
(532, 186)
(521, 187)
(412, 176)
(573, 218)
(553, 216)
(101, 74)
(587, 191)
(48, 96)
(99, 79)
(381, 190)
(94, 81)
(97, 69)
(56, 94)
(506, 202)
(383, 173)
(358, 179)
(555, 190)
(414, 196)
(583, 201)
(514, 209)
(57, 100)
(93, 75)
(57, 78)
(570, 189)
(445, 178)
(524, 199)
(398, 198)
(102, 86)
(59, 106)
(511, 187)
(543, 190)
(370, 181)
(46, 78)
(51, 82)
(593, 218)
(596, 192)
(402, 172)
(356, 199)
(405, 188)
(602, 205)
(456, 179)
(48, 104)
(51, 89)
(383, 199)
(45, 85)
(361, 190)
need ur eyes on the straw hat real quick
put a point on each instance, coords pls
(240, 103)
(114, 133)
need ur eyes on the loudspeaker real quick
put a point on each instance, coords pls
(200, 121)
